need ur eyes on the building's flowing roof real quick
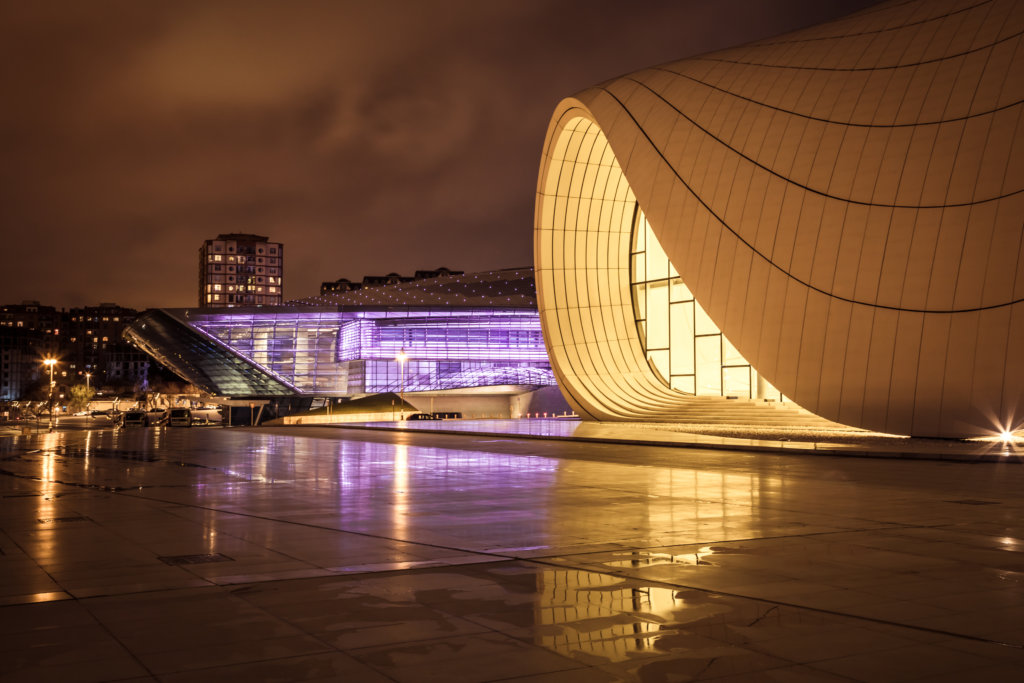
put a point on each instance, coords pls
(844, 202)
(510, 288)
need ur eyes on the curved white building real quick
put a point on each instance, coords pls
(833, 216)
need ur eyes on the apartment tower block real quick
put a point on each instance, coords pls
(240, 270)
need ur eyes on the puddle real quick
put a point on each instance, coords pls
(640, 558)
(595, 617)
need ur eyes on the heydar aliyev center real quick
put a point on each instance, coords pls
(832, 217)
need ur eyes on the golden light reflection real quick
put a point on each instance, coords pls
(585, 614)
(400, 491)
(210, 535)
(87, 452)
(47, 506)
(642, 558)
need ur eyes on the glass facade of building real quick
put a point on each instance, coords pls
(350, 352)
(454, 332)
(684, 347)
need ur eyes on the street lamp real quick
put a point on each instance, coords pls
(401, 358)
(49, 363)
(88, 390)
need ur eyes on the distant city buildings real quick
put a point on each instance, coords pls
(85, 341)
(238, 269)
(95, 345)
(346, 285)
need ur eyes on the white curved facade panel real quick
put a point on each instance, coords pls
(845, 202)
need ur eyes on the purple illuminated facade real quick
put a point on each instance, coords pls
(456, 332)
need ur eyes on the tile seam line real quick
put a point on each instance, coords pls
(1014, 458)
(130, 493)
(752, 539)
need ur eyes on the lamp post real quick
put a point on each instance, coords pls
(401, 358)
(49, 363)
(88, 389)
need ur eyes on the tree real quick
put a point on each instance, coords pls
(80, 397)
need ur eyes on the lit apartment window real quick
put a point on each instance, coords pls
(273, 290)
(216, 288)
(209, 297)
(216, 297)
(105, 339)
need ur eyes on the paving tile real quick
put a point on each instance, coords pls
(463, 659)
(906, 663)
(334, 666)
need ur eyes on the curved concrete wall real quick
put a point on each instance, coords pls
(845, 202)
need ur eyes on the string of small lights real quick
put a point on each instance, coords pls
(512, 287)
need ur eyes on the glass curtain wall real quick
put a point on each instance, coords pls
(353, 352)
(297, 346)
(683, 345)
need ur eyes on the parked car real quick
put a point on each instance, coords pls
(180, 417)
(134, 418)
(435, 416)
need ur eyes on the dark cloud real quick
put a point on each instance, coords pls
(368, 137)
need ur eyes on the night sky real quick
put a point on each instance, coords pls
(368, 137)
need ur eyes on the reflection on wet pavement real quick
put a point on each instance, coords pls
(643, 558)
(210, 554)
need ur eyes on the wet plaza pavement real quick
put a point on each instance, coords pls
(323, 554)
